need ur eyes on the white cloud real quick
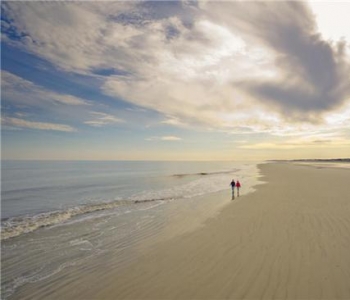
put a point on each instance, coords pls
(21, 123)
(77, 37)
(329, 143)
(174, 122)
(325, 139)
(103, 119)
(170, 138)
(22, 91)
(164, 138)
(49, 31)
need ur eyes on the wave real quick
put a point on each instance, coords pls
(16, 226)
(205, 173)
(204, 184)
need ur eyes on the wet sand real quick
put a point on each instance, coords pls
(288, 240)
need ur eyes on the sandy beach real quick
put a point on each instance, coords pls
(288, 240)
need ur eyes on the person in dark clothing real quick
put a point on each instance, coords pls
(233, 184)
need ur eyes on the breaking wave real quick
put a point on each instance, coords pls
(16, 226)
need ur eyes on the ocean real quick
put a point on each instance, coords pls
(67, 214)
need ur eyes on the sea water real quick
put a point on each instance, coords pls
(62, 214)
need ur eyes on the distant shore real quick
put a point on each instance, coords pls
(287, 240)
(331, 160)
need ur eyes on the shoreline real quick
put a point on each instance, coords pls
(287, 240)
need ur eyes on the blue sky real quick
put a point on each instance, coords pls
(175, 80)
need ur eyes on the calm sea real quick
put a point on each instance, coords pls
(60, 214)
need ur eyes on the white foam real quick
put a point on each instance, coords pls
(210, 183)
(15, 226)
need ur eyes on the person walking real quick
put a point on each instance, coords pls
(233, 188)
(238, 185)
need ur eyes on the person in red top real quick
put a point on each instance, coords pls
(238, 185)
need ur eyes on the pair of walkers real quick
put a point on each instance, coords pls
(233, 185)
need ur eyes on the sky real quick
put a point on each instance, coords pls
(175, 80)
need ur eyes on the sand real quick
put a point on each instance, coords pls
(288, 240)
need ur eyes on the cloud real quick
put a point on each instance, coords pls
(314, 73)
(174, 122)
(76, 37)
(222, 86)
(308, 140)
(22, 99)
(170, 138)
(21, 123)
(103, 119)
(339, 143)
(52, 36)
(164, 138)
(261, 67)
(22, 91)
